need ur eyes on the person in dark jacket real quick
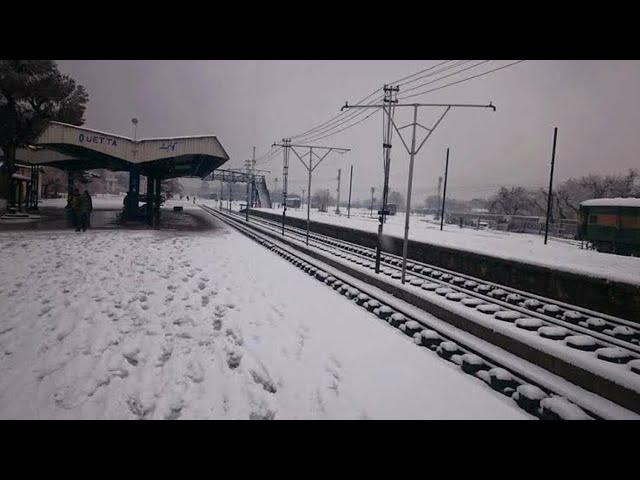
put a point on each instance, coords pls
(87, 200)
(82, 208)
(71, 214)
(76, 205)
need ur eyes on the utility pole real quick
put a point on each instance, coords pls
(439, 195)
(221, 184)
(286, 142)
(350, 185)
(338, 202)
(549, 195)
(373, 189)
(412, 151)
(253, 175)
(444, 196)
(249, 186)
(311, 167)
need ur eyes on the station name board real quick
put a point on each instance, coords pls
(99, 139)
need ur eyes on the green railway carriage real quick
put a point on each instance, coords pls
(611, 224)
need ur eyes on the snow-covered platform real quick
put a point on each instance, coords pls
(166, 324)
(106, 215)
(562, 271)
(561, 254)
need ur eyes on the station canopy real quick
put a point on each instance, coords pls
(71, 148)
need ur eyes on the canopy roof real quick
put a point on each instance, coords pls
(612, 202)
(76, 148)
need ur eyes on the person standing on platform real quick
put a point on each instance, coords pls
(89, 203)
(76, 203)
(71, 215)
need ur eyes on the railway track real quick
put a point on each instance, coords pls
(508, 375)
(616, 332)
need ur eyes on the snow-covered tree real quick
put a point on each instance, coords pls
(33, 92)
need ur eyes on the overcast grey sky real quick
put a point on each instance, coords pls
(594, 104)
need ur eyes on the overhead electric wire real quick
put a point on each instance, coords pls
(460, 81)
(443, 77)
(353, 114)
(418, 73)
(444, 69)
(327, 131)
(268, 156)
(332, 119)
(330, 127)
(341, 116)
(345, 128)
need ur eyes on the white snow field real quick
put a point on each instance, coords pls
(118, 324)
(558, 253)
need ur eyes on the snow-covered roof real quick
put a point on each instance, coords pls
(612, 202)
(72, 147)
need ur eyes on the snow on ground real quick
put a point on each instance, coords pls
(558, 253)
(158, 324)
(99, 201)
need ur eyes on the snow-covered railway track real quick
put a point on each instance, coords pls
(572, 320)
(538, 391)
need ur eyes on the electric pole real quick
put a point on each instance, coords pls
(549, 195)
(253, 175)
(310, 168)
(373, 189)
(338, 189)
(439, 195)
(412, 151)
(249, 186)
(286, 143)
(444, 196)
(350, 185)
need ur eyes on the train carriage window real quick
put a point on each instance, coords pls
(593, 219)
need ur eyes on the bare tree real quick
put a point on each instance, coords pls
(511, 201)
(322, 198)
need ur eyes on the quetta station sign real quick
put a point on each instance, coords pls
(99, 139)
(111, 142)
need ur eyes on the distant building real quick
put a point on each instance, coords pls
(293, 201)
